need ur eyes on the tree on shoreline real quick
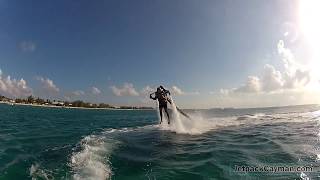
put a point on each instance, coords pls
(30, 99)
(78, 103)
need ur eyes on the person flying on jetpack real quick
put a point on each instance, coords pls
(163, 99)
(161, 96)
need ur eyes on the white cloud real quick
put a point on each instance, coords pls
(126, 90)
(14, 87)
(252, 85)
(271, 79)
(95, 91)
(264, 99)
(78, 93)
(147, 90)
(294, 76)
(27, 46)
(177, 91)
(48, 85)
(286, 56)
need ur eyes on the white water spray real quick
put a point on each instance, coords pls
(176, 118)
(182, 125)
(197, 124)
(92, 162)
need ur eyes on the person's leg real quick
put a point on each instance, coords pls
(169, 101)
(160, 111)
(166, 110)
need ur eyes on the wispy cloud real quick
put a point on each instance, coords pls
(126, 90)
(95, 91)
(27, 46)
(48, 85)
(78, 93)
(14, 87)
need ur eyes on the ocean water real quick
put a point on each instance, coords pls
(56, 143)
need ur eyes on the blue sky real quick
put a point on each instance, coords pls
(195, 48)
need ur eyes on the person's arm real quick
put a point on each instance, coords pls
(154, 98)
(165, 91)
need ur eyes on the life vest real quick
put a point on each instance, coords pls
(162, 97)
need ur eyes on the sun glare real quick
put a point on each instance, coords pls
(309, 20)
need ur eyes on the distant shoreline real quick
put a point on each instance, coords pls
(69, 107)
(119, 109)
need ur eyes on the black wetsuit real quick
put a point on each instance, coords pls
(161, 96)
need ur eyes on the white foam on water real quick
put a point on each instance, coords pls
(92, 162)
(199, 125)
(37, 173)
(108, 131)
(195, 125)
(303, 176)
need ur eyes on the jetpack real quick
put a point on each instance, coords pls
(166, 92)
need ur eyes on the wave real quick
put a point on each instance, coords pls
(92, 162)
(37, 173)
(197, 124)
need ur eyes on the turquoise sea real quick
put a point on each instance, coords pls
(57, 143)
